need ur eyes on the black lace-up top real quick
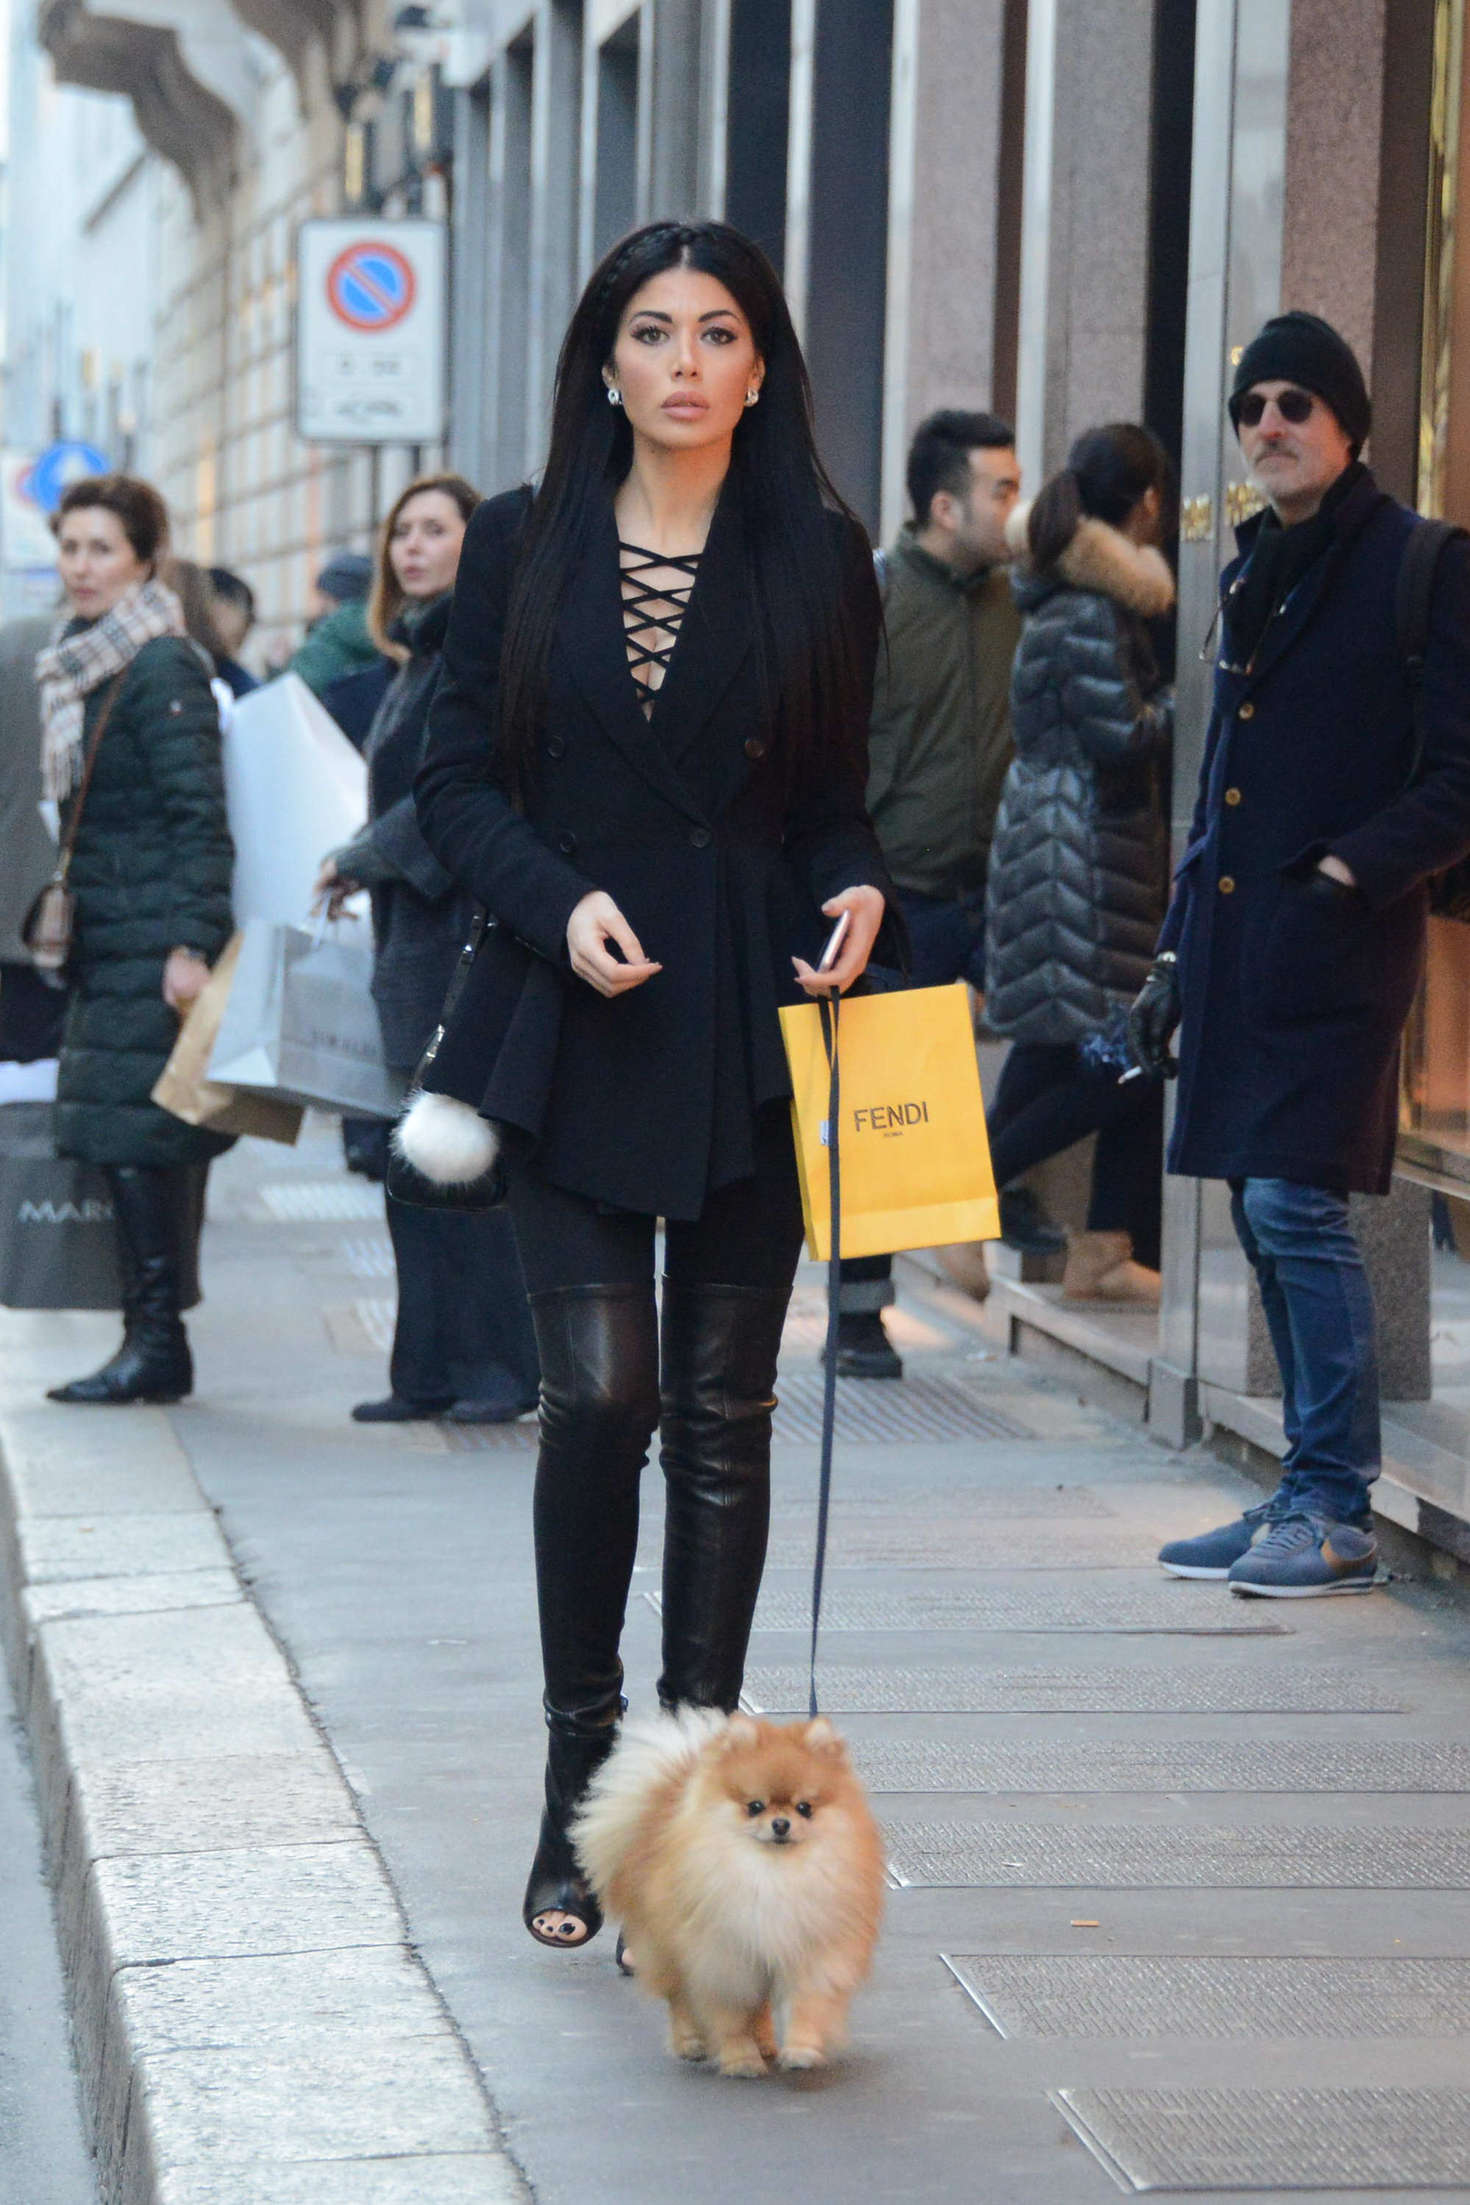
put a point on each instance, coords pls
(652, 614)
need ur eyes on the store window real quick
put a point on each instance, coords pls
(1434, 1138)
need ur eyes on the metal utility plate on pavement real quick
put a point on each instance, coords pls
(314, 1201)
(957, 1544)
(1122, 1856)
(1154, 1606)
(928, 1405)
(1276, 2139)
(1103, 1996)
(1148, 1765)
(1220, 1688)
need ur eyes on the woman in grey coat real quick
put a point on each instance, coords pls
(1079, 862)
(462, 1346)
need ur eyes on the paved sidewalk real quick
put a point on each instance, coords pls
(1182, 1884)
(43, 2159)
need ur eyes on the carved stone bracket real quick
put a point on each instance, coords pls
(182, 67)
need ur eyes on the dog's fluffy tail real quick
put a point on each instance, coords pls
(651, 1753)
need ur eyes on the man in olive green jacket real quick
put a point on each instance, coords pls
(939, 743)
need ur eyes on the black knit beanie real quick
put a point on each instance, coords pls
(1303, 349)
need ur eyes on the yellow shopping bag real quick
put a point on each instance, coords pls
(914, 1159)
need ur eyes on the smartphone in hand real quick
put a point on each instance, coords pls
(834, 942)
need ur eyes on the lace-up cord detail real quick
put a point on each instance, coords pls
(652, 614)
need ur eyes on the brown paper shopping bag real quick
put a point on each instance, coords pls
(184, 1090)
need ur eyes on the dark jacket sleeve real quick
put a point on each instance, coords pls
(1103, 705)
(829, 836)
(464, 809)
(1428, 826)
(178, 731)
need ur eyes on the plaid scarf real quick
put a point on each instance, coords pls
(73, 663)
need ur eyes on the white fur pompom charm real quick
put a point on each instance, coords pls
(448, 1141)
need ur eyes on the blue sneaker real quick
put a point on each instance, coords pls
(1212, 1553)
(1300, 1556)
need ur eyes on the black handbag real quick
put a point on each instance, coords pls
(405, 1181)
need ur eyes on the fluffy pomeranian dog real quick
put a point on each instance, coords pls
(743, 1862)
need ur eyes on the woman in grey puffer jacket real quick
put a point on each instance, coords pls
(1078, 867)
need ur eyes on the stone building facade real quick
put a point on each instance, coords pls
(1062, 209)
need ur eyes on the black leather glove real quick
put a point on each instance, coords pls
(1153, 1018)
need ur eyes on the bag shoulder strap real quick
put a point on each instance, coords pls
(69, 840)
(1413, 604)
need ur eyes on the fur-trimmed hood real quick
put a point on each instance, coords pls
(1099, 558)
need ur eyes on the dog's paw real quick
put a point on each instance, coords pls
(743, 2059)
(796, 2058)
(688, 2044)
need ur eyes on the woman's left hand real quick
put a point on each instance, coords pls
(331, 889)
(184, 978)
(866, 907)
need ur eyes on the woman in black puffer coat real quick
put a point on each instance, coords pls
(463, 1345)
(151, 875)
(1078, 867)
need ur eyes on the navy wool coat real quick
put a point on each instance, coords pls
(420, 915)
(716, 846)
(1294, 996)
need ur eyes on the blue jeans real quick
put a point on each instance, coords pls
(1319, 1308)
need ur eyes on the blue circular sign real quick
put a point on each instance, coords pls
(371, 286)
(62, 463)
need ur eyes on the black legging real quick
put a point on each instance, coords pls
(1048, 1097)
(608, 1379)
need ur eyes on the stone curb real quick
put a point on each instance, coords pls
(251, 2024)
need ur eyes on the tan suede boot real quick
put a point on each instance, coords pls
(1100, 1268)
(963, 1262)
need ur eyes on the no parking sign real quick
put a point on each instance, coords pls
(370, 332)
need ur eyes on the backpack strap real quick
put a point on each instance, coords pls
(1413, 601)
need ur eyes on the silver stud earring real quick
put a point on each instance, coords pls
(614, 395)
(752, 398)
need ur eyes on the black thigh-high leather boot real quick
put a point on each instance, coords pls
(149, 1204)
(720, 1346)
(599, 1405)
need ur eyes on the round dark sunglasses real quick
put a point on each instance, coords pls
(1292, 405)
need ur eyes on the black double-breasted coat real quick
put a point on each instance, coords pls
(717, 845)
(1295, 994)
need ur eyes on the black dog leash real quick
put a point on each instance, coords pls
(827, 1006)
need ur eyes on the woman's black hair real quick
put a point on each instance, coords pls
(1108, 470)
(808, 658)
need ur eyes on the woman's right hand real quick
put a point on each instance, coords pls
(594, 923)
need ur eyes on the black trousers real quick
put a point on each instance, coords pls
(463, 1319)
(1048, 1097)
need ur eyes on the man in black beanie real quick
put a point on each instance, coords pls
(1294, 944)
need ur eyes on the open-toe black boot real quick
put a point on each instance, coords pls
(720, 1346)
(599, 1404)
(153, 1363)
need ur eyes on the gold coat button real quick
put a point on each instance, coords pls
(1247, 711)
(1227, 885)
(1232, 796)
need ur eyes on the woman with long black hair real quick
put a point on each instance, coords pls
(647, 759)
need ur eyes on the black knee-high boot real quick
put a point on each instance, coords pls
(720, 1346)
(153, 1364)
(599, 1405)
